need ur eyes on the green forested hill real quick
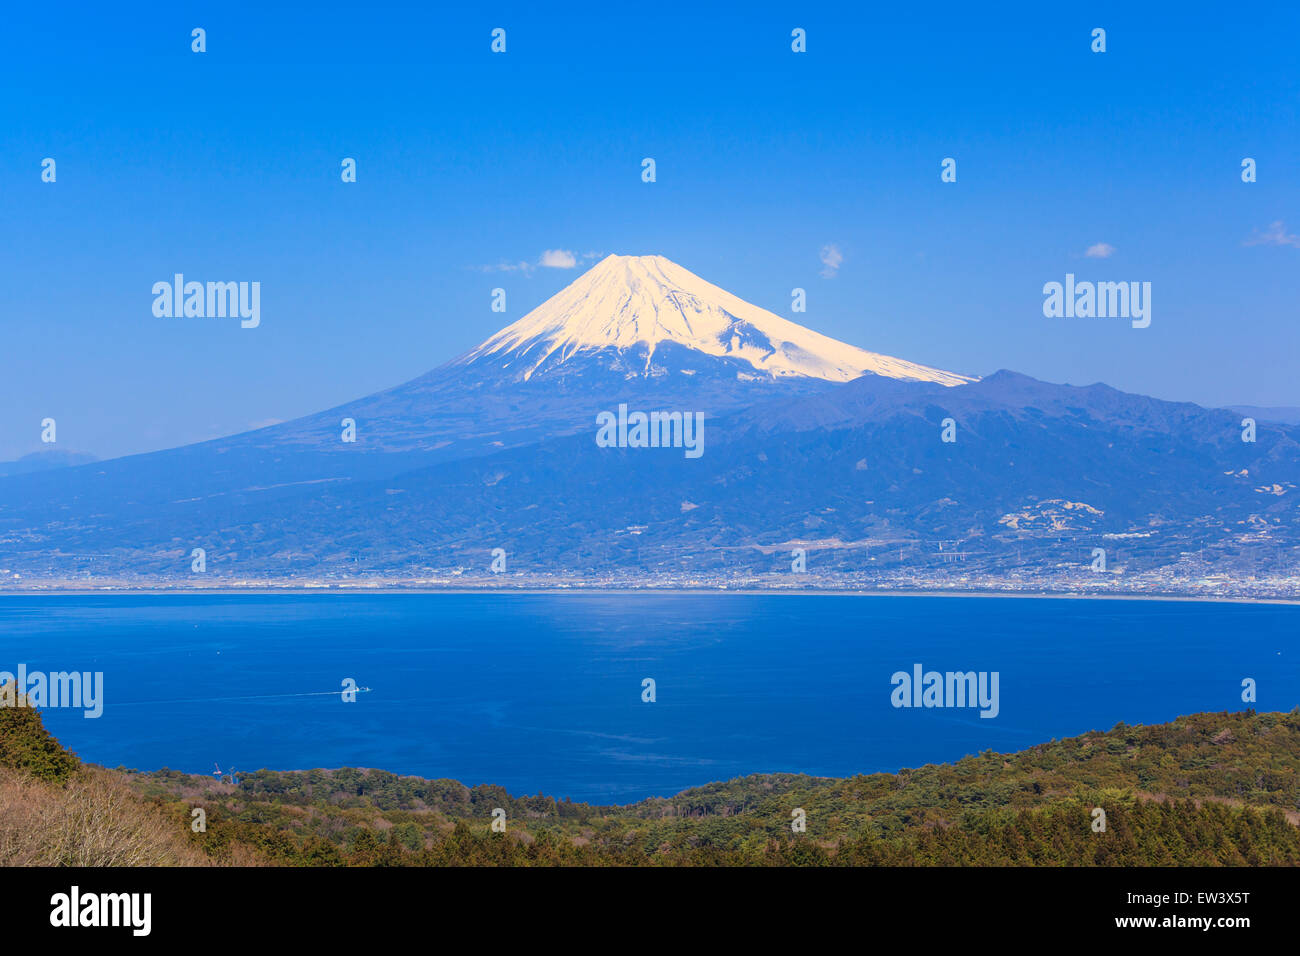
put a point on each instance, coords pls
(1205, 789)
(1208, 789)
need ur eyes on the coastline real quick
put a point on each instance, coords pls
(299, 590)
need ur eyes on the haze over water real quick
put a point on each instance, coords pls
(542, 692)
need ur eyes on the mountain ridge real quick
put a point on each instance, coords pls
(1021, 496)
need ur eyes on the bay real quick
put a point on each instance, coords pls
(543, 692)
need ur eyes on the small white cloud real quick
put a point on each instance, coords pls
(558, 259)
(831, 258)
(1102, 250)
(1274, 235)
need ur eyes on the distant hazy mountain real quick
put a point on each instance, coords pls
(45, 460)
(808, 444)
(1287, 414)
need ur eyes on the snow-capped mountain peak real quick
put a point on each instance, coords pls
(636, 305)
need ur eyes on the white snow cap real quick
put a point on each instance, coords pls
(624, 301)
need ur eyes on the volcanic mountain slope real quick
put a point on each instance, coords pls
(860, 477)
(635, 329)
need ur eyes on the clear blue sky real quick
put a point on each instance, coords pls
(225, 166)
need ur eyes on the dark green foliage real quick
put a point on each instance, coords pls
(27, 746)
(1205, 790)
(1208, 789)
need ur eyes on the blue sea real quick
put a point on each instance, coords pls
(543, 692)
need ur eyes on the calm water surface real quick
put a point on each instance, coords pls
(542, 693)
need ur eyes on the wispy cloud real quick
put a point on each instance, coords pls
(831, 258)
(520, 266)
(1274, 235)
(550, 259)
(1100, 250)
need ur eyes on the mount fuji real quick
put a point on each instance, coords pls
(639, 330)
(644, 316)
(876, 465)
(635, 329)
